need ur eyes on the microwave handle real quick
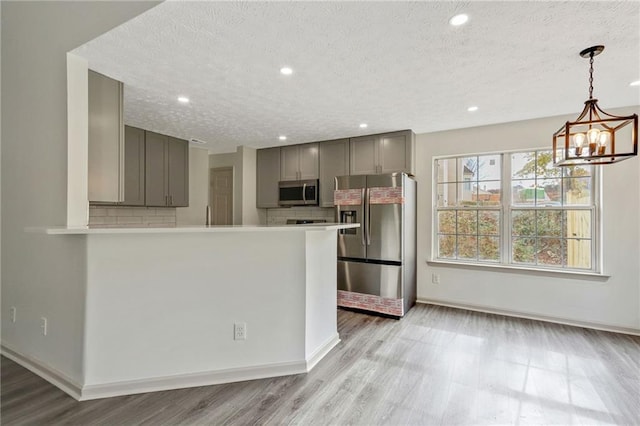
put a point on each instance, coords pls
(304, 193)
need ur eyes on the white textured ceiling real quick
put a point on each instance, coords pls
(393, 65)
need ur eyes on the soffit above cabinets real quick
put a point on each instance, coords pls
(393, 65)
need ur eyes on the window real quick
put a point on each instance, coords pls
(515, 209)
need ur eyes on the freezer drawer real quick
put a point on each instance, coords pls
(370, 278)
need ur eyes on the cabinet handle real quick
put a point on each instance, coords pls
(170, 200)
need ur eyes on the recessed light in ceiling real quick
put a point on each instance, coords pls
(183, 99)
(472, 108)
(635, 83)
(282, 138)
(363, 125)
(286, 71)
(459, 20)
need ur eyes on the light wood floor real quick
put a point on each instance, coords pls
(436, 366)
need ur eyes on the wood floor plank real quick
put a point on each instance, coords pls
(437, 366)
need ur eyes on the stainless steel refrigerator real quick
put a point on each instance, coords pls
(377, 262)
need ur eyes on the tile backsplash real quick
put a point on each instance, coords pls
(280, 216)
(101, 216)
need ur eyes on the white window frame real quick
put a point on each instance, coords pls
(505, 219)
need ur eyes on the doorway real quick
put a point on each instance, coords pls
(221, 195)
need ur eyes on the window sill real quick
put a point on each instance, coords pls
(591, 276)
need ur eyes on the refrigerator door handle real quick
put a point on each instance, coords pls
(368, 213)
(362, 228)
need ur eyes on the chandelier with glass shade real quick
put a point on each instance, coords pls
(595, 137)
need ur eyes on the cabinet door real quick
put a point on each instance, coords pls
(289, 162)
(334, 161)
(106, 139)
(364, 155)
(267, 176)
(178, 172)
(396, 152)
(308, 161)
(133, 166)
(155, 169)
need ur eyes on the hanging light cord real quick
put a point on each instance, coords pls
(591, 76)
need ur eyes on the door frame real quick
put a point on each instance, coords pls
(233, 188)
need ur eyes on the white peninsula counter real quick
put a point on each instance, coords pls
(161, 304)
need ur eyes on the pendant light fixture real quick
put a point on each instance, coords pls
(595, 137)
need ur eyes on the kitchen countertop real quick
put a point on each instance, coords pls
(194, 229)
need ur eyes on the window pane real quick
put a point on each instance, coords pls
(467, 247)
(578, 254)
(549, 251)
(446, 170)
(524, 250)
(467, 222)
(489, 193)
(523, 165)
(577, 171)
(447, 246)
(488, 222)
(447, 222)
(446, 195)
(524, 223)
(548, 192)
(577, 223)
(489, 167)
(468, 194)
(549, 223)
(523, 192)
(577, 191)
(545, 167)
(468, 169)
(489, 248)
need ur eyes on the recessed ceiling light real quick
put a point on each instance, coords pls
(183, 99)
(363, 125)
(635, 83)
(282, 138)
(472, 108)
(459, 20)
(286, 71)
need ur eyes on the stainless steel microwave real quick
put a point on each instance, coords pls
(298, 192)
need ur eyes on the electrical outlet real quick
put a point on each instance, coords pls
(44, 324)
(435, 278)
(14, 313)
(240, 331)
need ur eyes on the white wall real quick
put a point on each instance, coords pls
(43, 275)
(250, 214)
(611, 302)
(195, 214)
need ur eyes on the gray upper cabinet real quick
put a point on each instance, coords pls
(298, 162)
(334, 161)
(166, 171)
(106, 139)
(134, 159)
(267, 177)
(385, 153)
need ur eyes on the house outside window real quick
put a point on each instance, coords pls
(515, 209)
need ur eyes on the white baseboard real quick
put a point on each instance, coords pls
(324, 349)
(530, 315)
(51, 375)
(206, 378)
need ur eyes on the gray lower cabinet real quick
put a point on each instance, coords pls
(134, 166)
(298, 162)
(333, 161)
(267, 177)
(166, 171)
(106, 139)
(384, 153)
